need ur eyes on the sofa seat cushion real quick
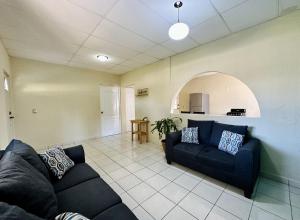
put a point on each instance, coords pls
(88, 198)
(218, 129)
(117, 212)
(79, 173)
(187, 150)
(212, 157)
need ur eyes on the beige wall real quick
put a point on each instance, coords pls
(4, 123)
(157, 103)
(225, 92)
(266, 59)
(66, 100)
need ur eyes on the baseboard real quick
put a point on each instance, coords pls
(67, 144)
(281, 179)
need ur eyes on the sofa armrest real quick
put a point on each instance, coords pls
(76, 154)
(248, 161)
(172, 139)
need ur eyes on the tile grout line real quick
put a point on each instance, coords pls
(292, 216)
(157, 152)
(258, 182)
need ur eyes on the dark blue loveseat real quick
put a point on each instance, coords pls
(240, 170)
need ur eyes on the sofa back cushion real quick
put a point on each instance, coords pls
(13, 212)
(204, 129)
(218, 128)
(28, 154)
(22, 185)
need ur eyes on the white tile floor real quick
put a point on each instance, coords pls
(152, 189)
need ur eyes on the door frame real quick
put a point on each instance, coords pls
(126, 104)
(119, 109)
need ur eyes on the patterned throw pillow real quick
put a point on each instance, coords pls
(190, 135)
(70, 216)
(230, 142)
(57, 161)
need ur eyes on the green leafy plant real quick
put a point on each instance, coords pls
(165, 126)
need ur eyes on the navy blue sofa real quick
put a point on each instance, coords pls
(240, 170)
(81, 190)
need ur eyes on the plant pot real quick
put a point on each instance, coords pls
(163, 144)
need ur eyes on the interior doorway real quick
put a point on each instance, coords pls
(110, 110)
(130, 106)
(8, 119)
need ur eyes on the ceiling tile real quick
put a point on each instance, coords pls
(138, 18)
(209, 30)
(116, 34)
(224, 5)
(159, 52)
(47, 47)
(144, 58)
(180, 46)
(120, 69)
(87, 66)
(40, 55)
(192, 12)
(58, 11)
(98, 6)
(250, 13)
(109, 48)
(132, 63)
(287, 6)
(9, 16)
(91, 54)
(59, 34)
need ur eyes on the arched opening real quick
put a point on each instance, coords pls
(215, 93)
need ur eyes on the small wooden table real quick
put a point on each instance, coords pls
(142, 129)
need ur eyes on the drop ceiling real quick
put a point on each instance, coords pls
(132, 33)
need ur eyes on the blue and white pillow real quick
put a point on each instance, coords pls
(190, 135)
(57, 161)
(70, 216)
(230, 142)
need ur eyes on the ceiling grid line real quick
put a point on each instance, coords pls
(135, 32)
(221, 16)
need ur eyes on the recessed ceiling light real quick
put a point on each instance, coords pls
(179, 30)
(102, 58)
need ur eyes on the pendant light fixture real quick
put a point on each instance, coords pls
(179, 30)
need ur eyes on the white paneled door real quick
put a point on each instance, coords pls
(110, 110)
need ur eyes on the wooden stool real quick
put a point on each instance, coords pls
(142, 129)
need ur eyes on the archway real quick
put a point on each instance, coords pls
(222, 93)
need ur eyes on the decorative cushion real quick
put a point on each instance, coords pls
(57, 161)
(12, 212)
(190, 135)
(22, 185)
(70, 216)
(218, 129)
(28, 154)
(230, 142)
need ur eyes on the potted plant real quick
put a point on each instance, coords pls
(164, 127)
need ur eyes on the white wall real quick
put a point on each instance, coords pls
(4, 128)
(266, 59)
(66, 100)
(225, 92)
